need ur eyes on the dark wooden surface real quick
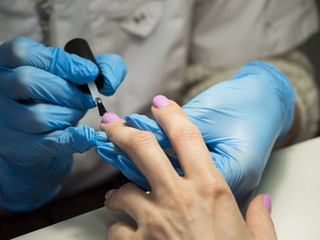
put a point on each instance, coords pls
(17, 224)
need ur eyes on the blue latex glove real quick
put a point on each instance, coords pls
(240, 120)
(39, 105)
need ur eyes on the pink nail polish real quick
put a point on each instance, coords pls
(109, 224)
(267, 202)
(160, 101)
(110, 117)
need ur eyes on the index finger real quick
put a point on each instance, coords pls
(144, 150)
(25, 52)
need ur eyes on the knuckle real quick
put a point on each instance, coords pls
(186, 133)
(215, 189)
(223, 192)
(141, 138)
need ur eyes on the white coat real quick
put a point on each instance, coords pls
(158, 39)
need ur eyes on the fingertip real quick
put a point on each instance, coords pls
(267, 202)
(265, 199)
(110, 117)
(160, 101)
(258, 217)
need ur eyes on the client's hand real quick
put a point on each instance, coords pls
(199, 205)
(239, 119)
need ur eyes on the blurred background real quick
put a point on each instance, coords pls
(312, 48)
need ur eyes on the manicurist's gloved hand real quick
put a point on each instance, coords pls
(39, 106)
(240, 120)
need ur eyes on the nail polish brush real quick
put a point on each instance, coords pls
(80, 47)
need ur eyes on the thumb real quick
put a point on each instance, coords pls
(258, 218)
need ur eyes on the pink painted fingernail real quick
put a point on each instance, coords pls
(109, 193)
(267, 202)
(110, 117)
(109, 224)
(160, 101)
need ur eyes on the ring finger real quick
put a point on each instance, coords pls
(127, 198)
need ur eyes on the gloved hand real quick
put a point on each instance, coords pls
(39, 104)
(240, 120)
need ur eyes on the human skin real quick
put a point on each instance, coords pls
(199, 205)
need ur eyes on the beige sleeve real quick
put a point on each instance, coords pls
(294, 64)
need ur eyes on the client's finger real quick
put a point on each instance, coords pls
(185, 138)
(121, 231)
(258, 218)
(129, 198)
(144, 150)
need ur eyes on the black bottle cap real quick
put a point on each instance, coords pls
(81, 47)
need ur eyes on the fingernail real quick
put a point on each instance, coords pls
(110, 117)
(160, 101)
(109, 193)
(109, 224)
(267, 202)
